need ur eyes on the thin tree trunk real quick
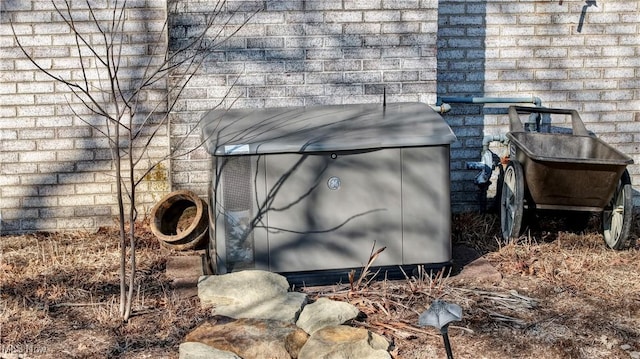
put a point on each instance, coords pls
(112, 100)
(119, 191)
(121, 218)
(132, 224)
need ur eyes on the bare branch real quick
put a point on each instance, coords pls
(118, 28)
(77, 40)
(73, 28)
(94, 127)
(184, 138)
(181, 86)
(117, 94)
(73, 87)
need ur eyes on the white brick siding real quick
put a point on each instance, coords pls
(55, 170)
(533, 48)
(296, 53)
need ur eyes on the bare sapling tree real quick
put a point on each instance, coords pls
(120, 100)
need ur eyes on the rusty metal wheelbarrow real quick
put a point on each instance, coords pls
(572, 172)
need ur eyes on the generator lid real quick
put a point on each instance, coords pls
(323, 128)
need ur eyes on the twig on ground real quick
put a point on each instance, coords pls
(60, 305)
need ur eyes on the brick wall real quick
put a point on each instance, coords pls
(55, 170)
(568, 54)
(297, 53)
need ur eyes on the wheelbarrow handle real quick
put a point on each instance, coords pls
(576, 122)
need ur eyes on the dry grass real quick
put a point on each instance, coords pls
(60, 298)
(563, 295)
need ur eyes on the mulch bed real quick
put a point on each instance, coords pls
(563, 294)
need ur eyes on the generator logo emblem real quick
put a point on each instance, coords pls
(334, 183)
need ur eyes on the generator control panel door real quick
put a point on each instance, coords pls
(328, 210)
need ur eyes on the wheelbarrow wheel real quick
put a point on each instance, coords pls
(617, 216)
(512, 201)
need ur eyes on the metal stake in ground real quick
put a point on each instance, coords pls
(439, 315)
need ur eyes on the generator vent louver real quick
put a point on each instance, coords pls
(237, 198)
(236, 175)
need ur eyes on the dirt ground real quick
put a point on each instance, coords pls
(563, 294)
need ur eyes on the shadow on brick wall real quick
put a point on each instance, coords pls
(57, 169)
(461, 73)
(297, 53)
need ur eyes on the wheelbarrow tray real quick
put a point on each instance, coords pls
(567, 172)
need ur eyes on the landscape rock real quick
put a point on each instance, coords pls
(295, 341)
(324, 313)
(344, 342)
(194, 350)
(251, 294)
(479, 271)
(250, 338)
(257, 317)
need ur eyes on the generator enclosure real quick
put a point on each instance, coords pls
(312, 192)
